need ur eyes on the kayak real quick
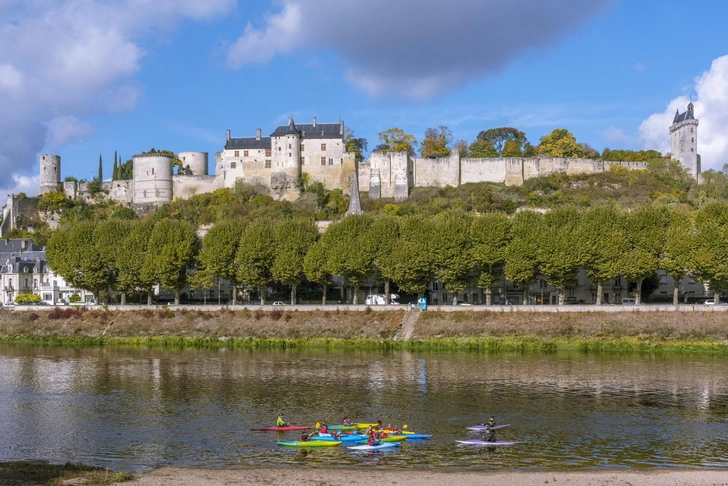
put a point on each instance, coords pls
(310, 443)
(343, 438)
(364, 426)
(393, 438)
(287, 428)
(413, 436)
(480, 428)
(486, 444)
(367, 447)
(342, 427)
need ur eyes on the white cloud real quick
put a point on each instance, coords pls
(20, 183)
(711, 109)
(414, 48)
(64, 60)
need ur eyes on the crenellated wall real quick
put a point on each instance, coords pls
(186, 186)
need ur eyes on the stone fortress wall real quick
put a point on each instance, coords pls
(278, 161)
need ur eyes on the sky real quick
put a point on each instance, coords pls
(83, 78)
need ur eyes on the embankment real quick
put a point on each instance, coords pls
(468, 329)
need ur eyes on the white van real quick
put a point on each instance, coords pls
(629, 301)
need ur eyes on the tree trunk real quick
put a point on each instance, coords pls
(454, 298)
(323, 299)
(599, 292)
(716, 298)
(562, 297)
(638, 292)
(261, 289)
(293, 294)
(176, 296)
(387, 299)
(488, 296)
(676, 293)
(355, 297)
(123, 298)
(235, 294)
(149, 297)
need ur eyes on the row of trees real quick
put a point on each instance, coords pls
(410, 251)
(502, 142)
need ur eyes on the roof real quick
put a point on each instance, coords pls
(248, 143)
(16, 245)
(688, 115)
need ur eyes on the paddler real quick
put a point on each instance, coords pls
(489, 435)
(305, 437)
(279, 421)
(324, 429)
(346, 422)
(490, 422)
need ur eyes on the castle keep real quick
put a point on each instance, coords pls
(318, 150)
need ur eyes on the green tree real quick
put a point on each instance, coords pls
(109, 238)
(357, 146)
(217, 258)
(171, 253)
(412, 263)
(395, 140)
(600, 236)
(71, 253)
(678, 256)
(711, 237)
(482, 149)
(452, 245)
(132, 253)
(500, 137)
(490, 235)
(560, 256)
(349, 254)
(461, 147)
(126, 170)
(293, 240)
(436, 142)
(100, 177)
(512, 148)
(256, 255)
(115, 170)
(560, 143)
(382, 239)
(522, 262)
(316, 269)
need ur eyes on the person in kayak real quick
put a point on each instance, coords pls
(279, 421)
(305, 437)
(346, 422)
(490, 422)
(324, 429)
(372, 441)
(489, 435)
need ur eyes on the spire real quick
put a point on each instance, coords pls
(677, 115)
(355, 201)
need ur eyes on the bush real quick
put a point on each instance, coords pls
(74, 299)
(276, 314)
(28, 299)
(33, 316)
(62, 313)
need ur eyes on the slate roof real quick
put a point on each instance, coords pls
(16, 245)
(688, 115)
(248, 143)
(306, 131)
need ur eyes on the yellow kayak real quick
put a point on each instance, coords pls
(364, 426)
(310, 443)
(393, 438)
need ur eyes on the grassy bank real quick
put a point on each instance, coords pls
(24, 473)
(655, 332)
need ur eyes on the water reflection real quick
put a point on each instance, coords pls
(136, 409)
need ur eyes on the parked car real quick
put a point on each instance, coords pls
(462, 302)
(629, 301)
(278, 302)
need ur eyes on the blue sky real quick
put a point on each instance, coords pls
(81, 78)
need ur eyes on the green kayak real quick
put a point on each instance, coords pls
(310, 443)
(341, 427)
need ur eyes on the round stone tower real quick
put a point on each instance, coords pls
(196, 162)
(50, 173)
(153, 178)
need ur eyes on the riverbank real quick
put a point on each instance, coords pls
(370, 328)
(341, 477)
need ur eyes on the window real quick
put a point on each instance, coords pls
(245, 153)
(237, 153)
(233, 165)
(289, 155)
(303, 161)
(267, 152)
(571, 293)
(289, 146)
(331, 161)
(303, 148)
(25, 284)
(35, 284)
(542, 284)
(323, 147)
(323, 160)
(618, 282)
(267, 163)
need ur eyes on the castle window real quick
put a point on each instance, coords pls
(233, 165)
(267, 152)
(331, 161)
(303, 148)
(323, 147)
(303, 161)
(691, 149)
(267, 164)
(237, 153)
(289, 155)
(692, 139)
(152, 170)
(289, 146)
(245, 153)
(323, 160)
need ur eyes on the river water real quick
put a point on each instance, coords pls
(134, 410)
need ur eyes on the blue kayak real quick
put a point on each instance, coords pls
(366, 447)
(418, 436)
(344, 438)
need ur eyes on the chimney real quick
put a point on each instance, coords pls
(228, 136)
(341, 127)
(257, 133)
(314, 121)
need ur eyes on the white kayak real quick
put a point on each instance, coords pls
(480, 428)
(479, 442)
(367, 447)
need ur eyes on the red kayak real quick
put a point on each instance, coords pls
(282, 429)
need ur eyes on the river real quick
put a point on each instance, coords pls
(134, 409)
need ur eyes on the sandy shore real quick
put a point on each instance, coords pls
(341, 477)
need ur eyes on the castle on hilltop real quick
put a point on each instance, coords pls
(317, 152)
